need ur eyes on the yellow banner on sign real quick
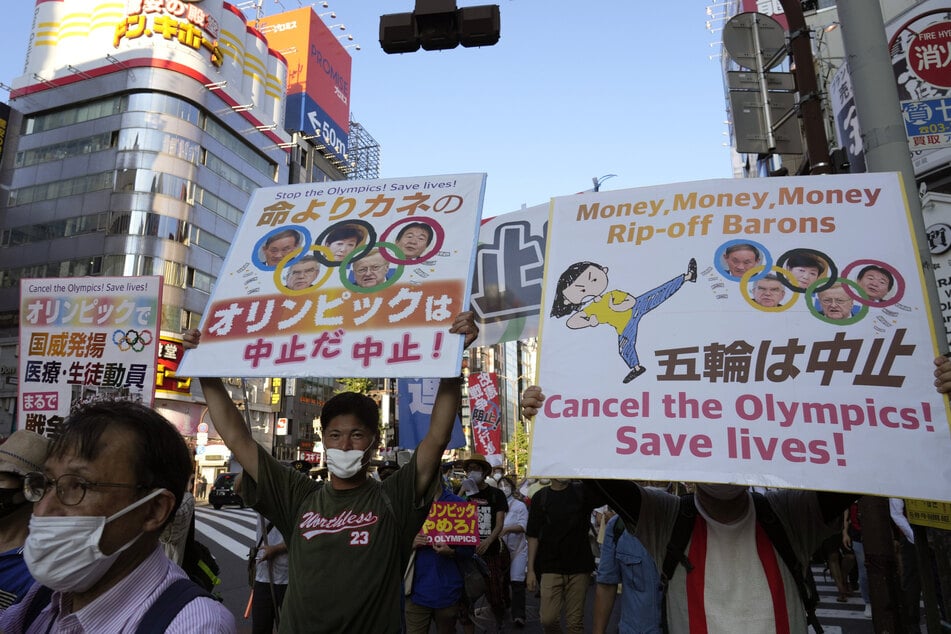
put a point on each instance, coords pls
(927, 513)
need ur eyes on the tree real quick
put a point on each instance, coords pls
(516, 450)
(361, 386)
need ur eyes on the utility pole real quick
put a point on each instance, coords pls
(886, 150)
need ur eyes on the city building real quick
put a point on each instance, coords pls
(132, 143)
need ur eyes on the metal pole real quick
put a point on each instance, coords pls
(886, 150)
(810, 108)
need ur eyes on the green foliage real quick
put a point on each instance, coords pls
(361, 386)
(516, 450)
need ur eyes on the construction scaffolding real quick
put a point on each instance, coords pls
(364, 153)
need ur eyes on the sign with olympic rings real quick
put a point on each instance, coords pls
(85, 337)
(354, 278)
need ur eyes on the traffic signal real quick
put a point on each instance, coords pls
(439, 25)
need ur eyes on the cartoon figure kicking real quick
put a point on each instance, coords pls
(581, 291)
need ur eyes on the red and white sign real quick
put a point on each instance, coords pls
(485, 415)
(929, 55)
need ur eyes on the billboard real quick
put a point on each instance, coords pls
(918, 43)
(318, 76)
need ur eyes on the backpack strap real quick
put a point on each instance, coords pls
(39, 601)
(805, 583)
(679, 537)
(168, 605)
(618, 529)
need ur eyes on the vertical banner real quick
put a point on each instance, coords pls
(485, 413)
(415, 399)
(351, 278)
(768, 331)
(82, 337)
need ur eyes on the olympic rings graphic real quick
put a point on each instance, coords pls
(133, 340)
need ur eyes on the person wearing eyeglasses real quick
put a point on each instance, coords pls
(768, 292)
(23, 452)
(303, 273)
(370, 270)
(835, 303)
(112, 480)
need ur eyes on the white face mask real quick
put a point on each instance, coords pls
(476, 476)
(62, 552)
(722, 491)
(346, 464)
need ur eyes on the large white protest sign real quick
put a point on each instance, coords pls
(84, 337)
(761, 331)
(352, 278)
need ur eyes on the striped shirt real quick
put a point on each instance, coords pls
(121, 607)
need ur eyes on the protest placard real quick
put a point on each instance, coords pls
(452, 523)
(507, 283)
(352, 278)
(83, 337)
(768, 332)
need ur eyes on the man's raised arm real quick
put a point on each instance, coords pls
(228, 421)
(431, 447)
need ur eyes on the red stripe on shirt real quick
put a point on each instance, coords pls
(774, 579)
(697, 554)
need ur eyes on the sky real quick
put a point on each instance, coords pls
(572, 90)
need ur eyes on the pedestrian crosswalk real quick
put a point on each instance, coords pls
(830, 609)
(230, 528)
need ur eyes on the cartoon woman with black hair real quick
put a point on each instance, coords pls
(581, 292)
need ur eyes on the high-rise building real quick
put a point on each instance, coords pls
(137, 132)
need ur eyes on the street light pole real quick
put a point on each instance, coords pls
(597, 181)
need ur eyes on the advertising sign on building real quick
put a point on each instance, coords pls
(737, 331)
(352, 278)
(318, 81)
(919, 42)
(83, 337)
(167, 382)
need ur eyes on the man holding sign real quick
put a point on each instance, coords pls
(350, 541)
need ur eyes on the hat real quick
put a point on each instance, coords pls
(24, 451)
(479, 458)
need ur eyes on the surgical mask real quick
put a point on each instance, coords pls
(346, 464)
(476, 476)
(62, 551)
(507, 490)
(722, 491)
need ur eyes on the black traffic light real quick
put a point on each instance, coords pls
(439, 25)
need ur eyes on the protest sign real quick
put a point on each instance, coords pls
(452, 523)
(351, 278)
(85, 336)
(767, 332)
(415, 400)
(485, 413)
(507, 283)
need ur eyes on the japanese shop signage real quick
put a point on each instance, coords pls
(81, 337)
(919, 42)
(485, 415)
(933, 514)
(768, 332)
(170, 351)
(452, 523)
(351, 278)
(171, 20)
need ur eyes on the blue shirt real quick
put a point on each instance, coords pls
(627, 562)
(15, 577)
(438, 581)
